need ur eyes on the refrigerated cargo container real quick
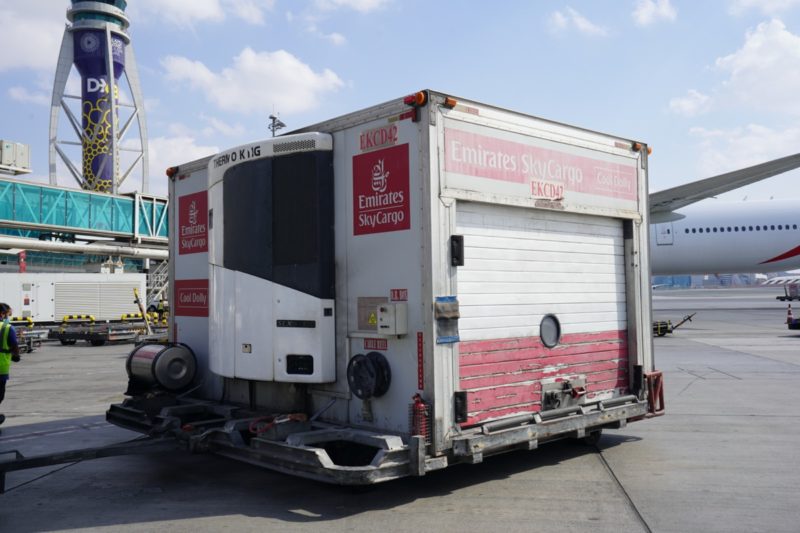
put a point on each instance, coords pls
(421, 283)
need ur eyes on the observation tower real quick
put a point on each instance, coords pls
(97, 44)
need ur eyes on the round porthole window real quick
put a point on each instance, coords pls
(550, 331)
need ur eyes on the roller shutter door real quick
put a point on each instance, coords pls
(521, 264)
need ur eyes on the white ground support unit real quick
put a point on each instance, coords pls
(790, 284)
(15, 158)
(414, 285)
(48, 297)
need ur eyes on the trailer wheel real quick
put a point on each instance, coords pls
(592, 438)
(68, 342)
(97, 342)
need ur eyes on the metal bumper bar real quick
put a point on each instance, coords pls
(575, 422)
(347, 456)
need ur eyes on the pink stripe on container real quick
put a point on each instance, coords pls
(480, 156)
(503, 377)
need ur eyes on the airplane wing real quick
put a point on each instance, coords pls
(663, 203)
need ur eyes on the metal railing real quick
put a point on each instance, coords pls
(158, 280)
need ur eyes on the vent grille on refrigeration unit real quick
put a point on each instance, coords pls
(294, 146)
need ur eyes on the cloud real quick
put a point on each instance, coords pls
(186, 13)
(694, 103)
(256, 82)
(724, 150)
(33, 29)
(214, 128)
(765, 71)
(647, 12)
(217, 126)
(151, 104)
(31, 34)
(335, 38)
(362, 6)
(168, 152)
(570, 19)
(767, 7)
(251, 11)
(558, 21)
(21, 94)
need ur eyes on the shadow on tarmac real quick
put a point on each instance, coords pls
(177, 485)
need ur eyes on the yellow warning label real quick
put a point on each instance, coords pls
(373, 319)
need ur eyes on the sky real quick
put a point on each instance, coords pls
(711, 86)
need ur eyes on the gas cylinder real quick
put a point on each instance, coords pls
(169, 366)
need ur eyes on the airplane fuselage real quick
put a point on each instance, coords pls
(726, 237)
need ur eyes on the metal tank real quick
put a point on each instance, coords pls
(166, 366)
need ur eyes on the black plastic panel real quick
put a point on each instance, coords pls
(300, 364)
(279, 221)
(247, 205)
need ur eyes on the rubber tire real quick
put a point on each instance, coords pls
(97, 342)
(68, 342)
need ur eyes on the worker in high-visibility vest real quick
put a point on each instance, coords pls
(161, 309)
(9, 350)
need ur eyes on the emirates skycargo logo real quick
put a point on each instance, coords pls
(193, 213)
(193, 223)
(380, 191)
(380, 177)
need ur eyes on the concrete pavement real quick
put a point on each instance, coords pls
(724, 458)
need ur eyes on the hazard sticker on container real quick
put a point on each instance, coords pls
(381, 191)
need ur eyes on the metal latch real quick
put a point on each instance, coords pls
(564, 393)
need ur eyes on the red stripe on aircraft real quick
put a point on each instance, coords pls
(794, 252)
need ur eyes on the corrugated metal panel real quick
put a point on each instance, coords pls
(116, 299)
(76, 298)
(522, 264)
(103, 300)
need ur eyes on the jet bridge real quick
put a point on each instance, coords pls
(134, 218)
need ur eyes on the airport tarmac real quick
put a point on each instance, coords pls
(725, 457)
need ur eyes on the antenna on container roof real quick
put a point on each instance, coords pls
(275, 124)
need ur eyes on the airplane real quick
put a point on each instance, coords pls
(725, 237)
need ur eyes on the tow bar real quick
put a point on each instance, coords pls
(11, 460)
(662, 327)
